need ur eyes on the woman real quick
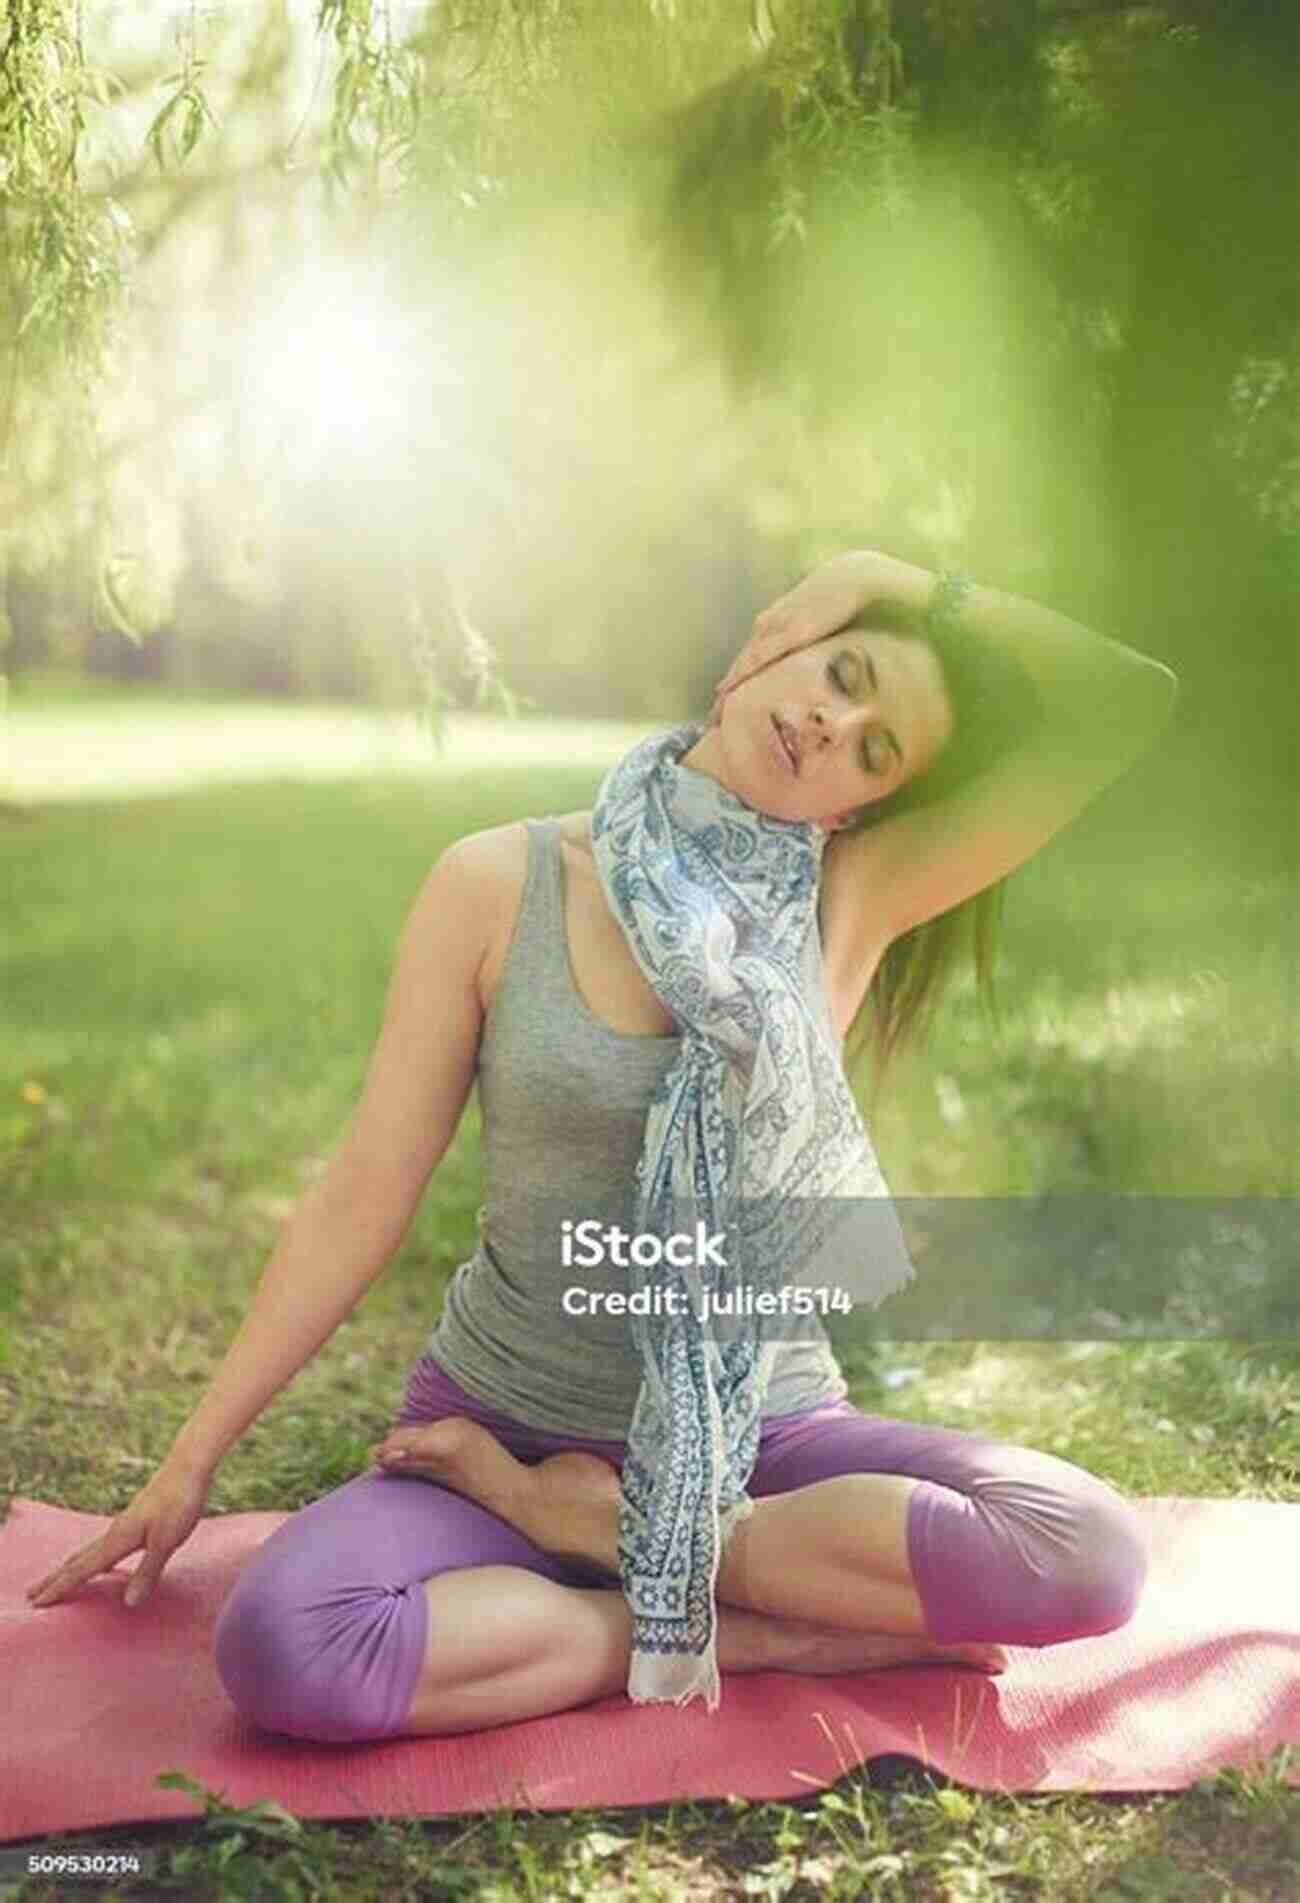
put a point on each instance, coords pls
(466, 1582)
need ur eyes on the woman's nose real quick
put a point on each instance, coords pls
(829, 726)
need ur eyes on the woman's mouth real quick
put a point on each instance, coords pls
(785, 743)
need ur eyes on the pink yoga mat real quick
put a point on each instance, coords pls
(99, 1700)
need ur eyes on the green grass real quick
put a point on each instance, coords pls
(69, 740)
(191, 985)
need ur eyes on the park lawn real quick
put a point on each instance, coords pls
(191, 987)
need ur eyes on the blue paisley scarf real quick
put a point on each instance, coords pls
(753, 1131)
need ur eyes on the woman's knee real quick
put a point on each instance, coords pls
(1032, 1555)
(333, 1666)
(1081, 1558)
(1103, 1580)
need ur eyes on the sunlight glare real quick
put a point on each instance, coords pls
(334, 368)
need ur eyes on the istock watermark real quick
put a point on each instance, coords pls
(1084, 1266)
(590, 1244)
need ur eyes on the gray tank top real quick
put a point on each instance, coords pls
(563, 1099)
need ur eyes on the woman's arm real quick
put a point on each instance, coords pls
(1102, 705)
(349, 1224)
(1070, 665)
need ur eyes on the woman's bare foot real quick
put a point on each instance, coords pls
(567, 1505)
(822, 1650)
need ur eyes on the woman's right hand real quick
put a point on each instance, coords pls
(827, 599)
(159, 1519)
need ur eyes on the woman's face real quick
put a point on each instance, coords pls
(830, 728)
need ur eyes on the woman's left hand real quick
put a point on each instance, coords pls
(827, 599)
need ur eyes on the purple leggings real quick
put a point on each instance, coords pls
(324, 1634)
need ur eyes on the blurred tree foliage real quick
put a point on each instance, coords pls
(1006, 281)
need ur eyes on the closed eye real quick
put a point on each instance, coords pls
(833, 670)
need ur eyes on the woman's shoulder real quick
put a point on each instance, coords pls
(494, 867)
(497, 856)
(492, 853)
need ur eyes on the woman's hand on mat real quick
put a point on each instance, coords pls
(828, 598)
(160, 1518)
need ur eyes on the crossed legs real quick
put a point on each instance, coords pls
(402, 1604)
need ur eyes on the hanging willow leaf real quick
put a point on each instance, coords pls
(112, 574)
(154, 136)
(192, 127)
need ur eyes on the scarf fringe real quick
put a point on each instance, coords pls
(674, 1679)
(657, 1678)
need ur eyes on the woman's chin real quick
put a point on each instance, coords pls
(755, 785)
(772, 806)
